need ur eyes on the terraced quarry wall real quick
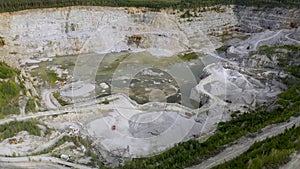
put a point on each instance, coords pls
(252, 19)
(75, 30)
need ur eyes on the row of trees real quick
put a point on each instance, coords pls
(15, 5)
(259, 3)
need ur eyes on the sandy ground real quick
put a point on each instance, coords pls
(78, 89)
(124, 143)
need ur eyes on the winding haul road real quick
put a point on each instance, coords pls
(232, 49)
(271, 37)
(41, 160)
(78, 107)
(46, 161)
(46, 96)
(294, 40)
(244, 143)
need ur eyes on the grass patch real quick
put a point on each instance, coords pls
(106, 101)
(9, 91)
(6, 71)
(30, 106)
(51, 77)
(59, 99)
(189, 56)
(186, 14)
(9, 96)
(222, 49)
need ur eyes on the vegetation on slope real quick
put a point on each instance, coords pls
(30, 106)
(59, 99)
(6, 71)
(10, 129)
(288, 59)
(56, 145)
(275, 152)
(189, 56)
(192, 152)
(11, 5)
(270, 153)
(78, 141)
(9, 91)
(51, 77)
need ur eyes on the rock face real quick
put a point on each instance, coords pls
(296, 34)
(252, 19)
(76, 30)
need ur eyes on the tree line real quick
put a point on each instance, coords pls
(16, 5)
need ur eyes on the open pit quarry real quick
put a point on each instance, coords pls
(122, 84)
